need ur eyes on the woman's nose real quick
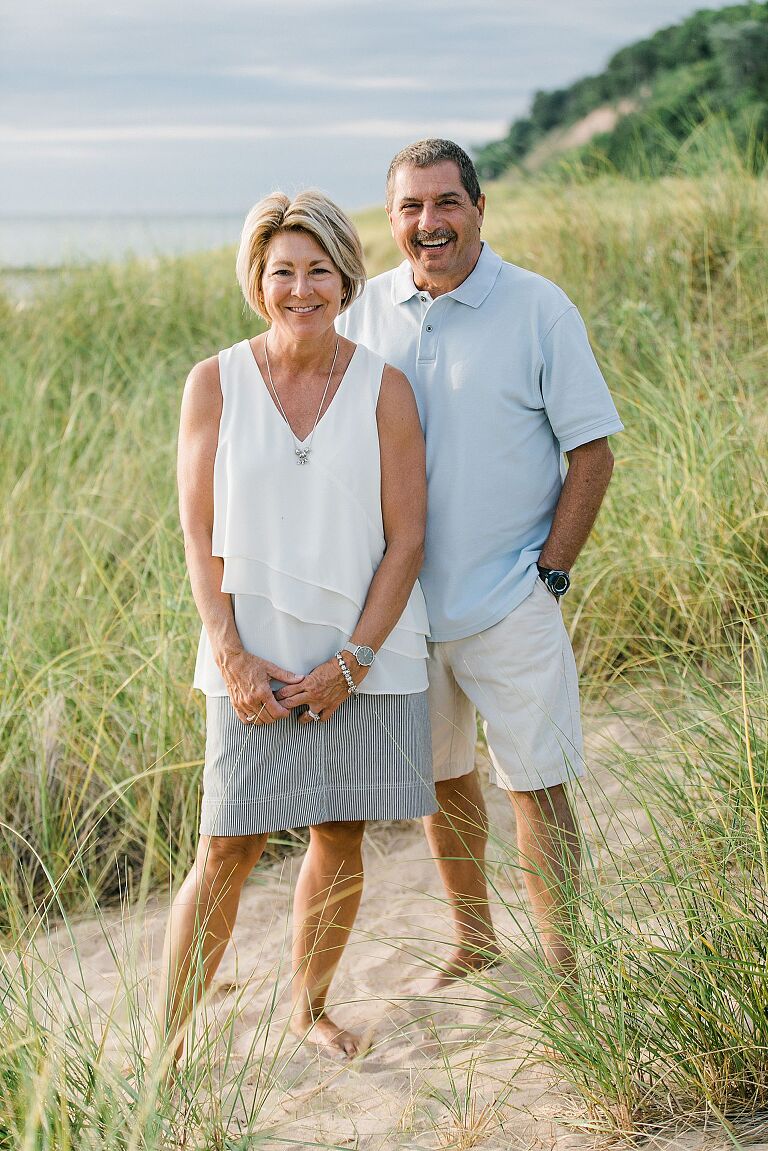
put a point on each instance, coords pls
(302, 286)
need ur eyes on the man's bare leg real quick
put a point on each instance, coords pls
(550, 855)
(326, 900)
(457, 835)
(200, 925)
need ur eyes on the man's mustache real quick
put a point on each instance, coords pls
(440, 234)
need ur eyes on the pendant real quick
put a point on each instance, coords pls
(303, 454)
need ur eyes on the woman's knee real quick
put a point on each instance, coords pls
(340, 837)
(230, 853)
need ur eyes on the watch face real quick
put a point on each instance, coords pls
(364, 655)
(559, 582)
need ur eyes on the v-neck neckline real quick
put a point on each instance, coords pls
(283, 419)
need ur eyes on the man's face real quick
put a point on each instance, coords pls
(435, 224)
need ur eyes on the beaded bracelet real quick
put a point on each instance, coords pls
(351, 685)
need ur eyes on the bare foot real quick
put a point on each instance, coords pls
(462, 963)
(328, 1037)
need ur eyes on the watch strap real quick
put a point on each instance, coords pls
(556, 580)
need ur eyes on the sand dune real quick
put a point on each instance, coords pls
(445, 1071)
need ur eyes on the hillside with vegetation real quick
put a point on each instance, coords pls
(670, 95)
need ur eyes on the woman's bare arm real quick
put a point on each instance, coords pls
(246, 677)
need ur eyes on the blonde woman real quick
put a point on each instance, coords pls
(302, 496)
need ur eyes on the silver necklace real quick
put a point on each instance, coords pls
(300, 452)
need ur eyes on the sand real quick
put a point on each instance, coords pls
(599, 120)
(443, 1071)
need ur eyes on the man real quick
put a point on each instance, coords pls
(507, 385)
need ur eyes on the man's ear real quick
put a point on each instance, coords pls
(481, 206)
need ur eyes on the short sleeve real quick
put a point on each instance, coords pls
(576, 397)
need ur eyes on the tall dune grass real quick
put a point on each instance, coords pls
(669, 1017)
(98, 728)
(101, 738)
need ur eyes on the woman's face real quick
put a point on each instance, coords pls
(301, 286)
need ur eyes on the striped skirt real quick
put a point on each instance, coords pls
(371, 760)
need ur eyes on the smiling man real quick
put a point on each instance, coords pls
(507, 386)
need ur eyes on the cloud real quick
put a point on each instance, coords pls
(308, 77)
(154, 104)
(169, 133)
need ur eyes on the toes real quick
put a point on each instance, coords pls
(339, 1043)
(350, 1046)
(329, 1039)
(343, 1044)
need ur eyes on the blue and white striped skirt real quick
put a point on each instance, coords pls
(371, 760)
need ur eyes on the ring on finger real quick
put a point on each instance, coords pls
(251, 718)
(312, 714)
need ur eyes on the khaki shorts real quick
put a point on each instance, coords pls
(521, 677)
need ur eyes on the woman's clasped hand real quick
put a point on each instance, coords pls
(249, 685)
(322, 691)
(250, 682)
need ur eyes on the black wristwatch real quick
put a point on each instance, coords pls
(554, 580)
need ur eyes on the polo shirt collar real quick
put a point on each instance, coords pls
(471, 291)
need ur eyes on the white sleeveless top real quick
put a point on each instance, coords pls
(301, 543)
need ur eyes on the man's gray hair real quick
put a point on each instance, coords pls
(426, 153)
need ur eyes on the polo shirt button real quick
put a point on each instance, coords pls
(429, 327)
(423, 299)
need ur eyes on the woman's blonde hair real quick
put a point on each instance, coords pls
(314, 214)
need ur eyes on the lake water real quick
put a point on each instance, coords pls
(50, 241)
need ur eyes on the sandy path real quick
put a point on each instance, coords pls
(442, 1072)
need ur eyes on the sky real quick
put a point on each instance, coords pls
(164, 106)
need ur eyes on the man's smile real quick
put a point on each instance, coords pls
(434, 242)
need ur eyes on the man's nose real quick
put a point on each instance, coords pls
(428, 220)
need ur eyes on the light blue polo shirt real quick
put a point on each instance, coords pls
(506, 382)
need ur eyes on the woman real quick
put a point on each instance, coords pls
(302, 497)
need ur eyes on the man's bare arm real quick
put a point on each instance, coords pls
(589, 472)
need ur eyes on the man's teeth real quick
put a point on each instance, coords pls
(433, 243)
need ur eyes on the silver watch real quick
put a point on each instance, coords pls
(364, 655)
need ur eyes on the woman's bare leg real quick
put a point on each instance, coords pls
(325, 904)
(201, 922)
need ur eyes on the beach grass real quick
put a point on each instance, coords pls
(101, 737)
(668, 1018)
